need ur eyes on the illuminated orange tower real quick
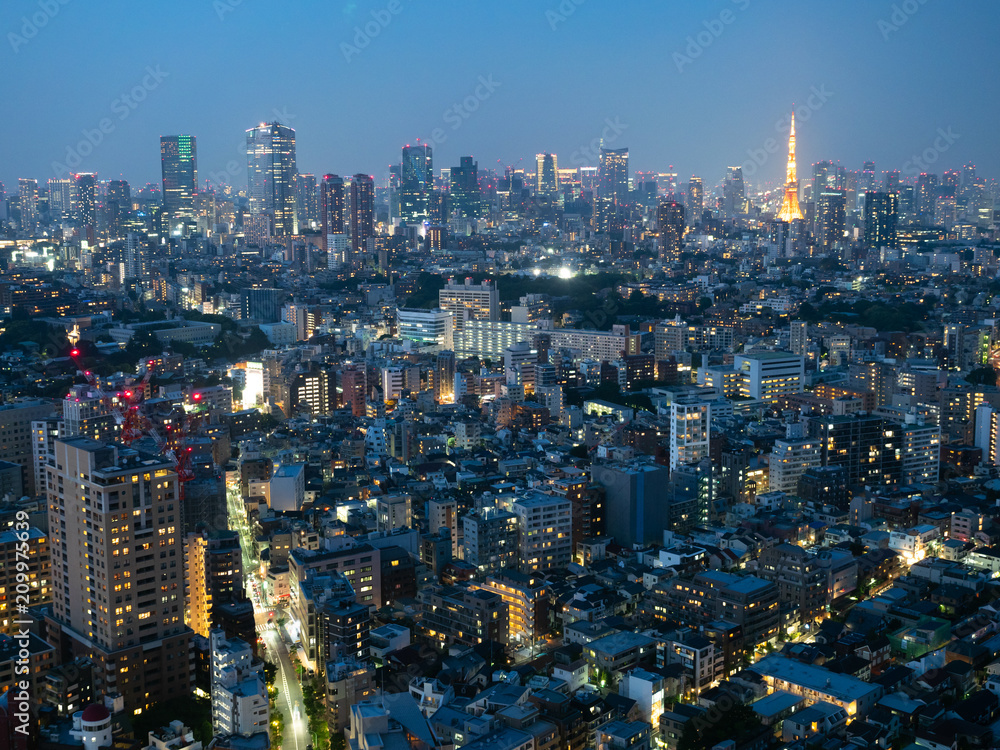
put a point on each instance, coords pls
(790, 203)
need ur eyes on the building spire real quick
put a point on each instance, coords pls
(790, 203)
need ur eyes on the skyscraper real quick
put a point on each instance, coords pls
(881, 210)
(306, 203)
(115, 516)
(271, 175)
(926, 197)
(465, 194)
(831, 217)
(695, 200)
(331, 207)
(734, 192)
(118, 208)
(612, 177)
(362, 215)
(179, 168)
(670, 225)
(28, 203)
(86, 203)
(60, 198)
(790, 203)
(417, 181)
(546, 174)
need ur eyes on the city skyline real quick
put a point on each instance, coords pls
(708, 62)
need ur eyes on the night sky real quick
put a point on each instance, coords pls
(526, 76)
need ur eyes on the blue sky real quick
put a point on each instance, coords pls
(697, 85)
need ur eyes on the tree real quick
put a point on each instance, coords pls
(982, 376)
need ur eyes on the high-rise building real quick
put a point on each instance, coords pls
(734, 192)
(690, 428)
(28, 561)
(179, 168)
(670, 225)
(61, 198)
(271, 175)
(444, 376)
(789, 460)
(470, 301)
(790, 210)
(866, 446)
(490, 539)
(86, 202)
(118, 208)
(881, 213)
(635, 503)
(331, 208)
(831, 217)
(261, 304)
(118, 590)
(306, 202)
(695, 200)
(612, 176)
(28, 204)
(801, 581)
(546, 174)
(214, 567)
(798, 339)
(362, 216)
(416, 183)
(545, 529)
(239, 694)
(925, 197)
(465, 194)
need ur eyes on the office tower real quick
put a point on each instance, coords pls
(770, 375)
(331, 207)
(470, 301)
(444, 377)
(670, 225)
(118, 208)
(690, 428)
(118, 590)
(798, 337)
(239, 694)
(306, 203)
(60, 198)
(824, 177)
(362, 216)
(546, 174)
(695, 200)
(734, 192)
(442, 513)
(271, 174)
(925, 197)
(831, 217)
(892, 181)
(416, 183)
(465, 195)
(921, 451)
(635, 501)
(612, 175)
(179, 169)
(790, 203)
(28, 203)
(3, 202)
(867, 181)
(545, 530)
(881, 210)
(86, 200)
(261, 305)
